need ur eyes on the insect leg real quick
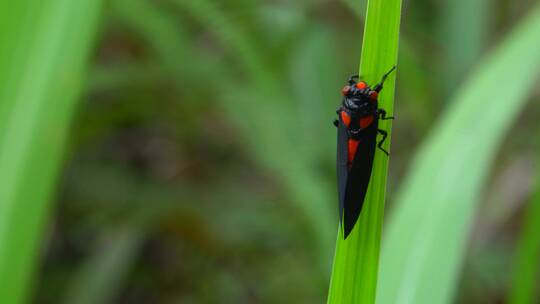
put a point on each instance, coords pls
(384, 135)
(338, 112)
(382, 114)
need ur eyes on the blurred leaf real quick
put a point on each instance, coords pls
(464, 34)
(101, 276)
(358, 7)
(354, 275)
(506, 196)
(313, 63)
(131, 75)
(255, 109)
(233, 37)
(139, 201)
(44, 46)
(415, 87)
(169, 41)
(426, 236)
(526, 263)
(485, 274)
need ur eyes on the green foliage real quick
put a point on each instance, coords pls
(44, 47)
(354, 275)
(266, 97)
(464, 31)
(425, 241)
(204, 156)
(525, 263)
(99, 280)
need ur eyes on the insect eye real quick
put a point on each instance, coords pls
(373, 95)
(361, 85)
(345, 90)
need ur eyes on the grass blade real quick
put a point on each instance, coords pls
(525, 272)
(354, 274)
(44, 45)
(101, 275)
(425, 240)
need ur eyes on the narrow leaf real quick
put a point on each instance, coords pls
(354, 274)
(43, 49)
(525, 273)
(424, 243)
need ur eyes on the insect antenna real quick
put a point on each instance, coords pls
(352, 80)
(379, 86)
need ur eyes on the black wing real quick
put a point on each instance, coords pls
(341, 164)
(353, 183)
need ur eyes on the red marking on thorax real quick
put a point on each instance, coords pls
(346, 118)
(366, 121)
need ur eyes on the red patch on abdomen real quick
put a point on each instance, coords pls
(353, 146)
(353, 143)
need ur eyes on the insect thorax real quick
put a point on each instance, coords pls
(359, 106)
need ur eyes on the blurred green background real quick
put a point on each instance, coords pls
(200, 163)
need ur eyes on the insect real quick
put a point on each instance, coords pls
(357, 125)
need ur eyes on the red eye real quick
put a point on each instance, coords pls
(373, 95)
(345, 90)
(361, 85)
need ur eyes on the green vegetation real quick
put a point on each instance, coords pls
(354, 275)
(432, 219)
(202, 155)
(44, 47)
(526, 262)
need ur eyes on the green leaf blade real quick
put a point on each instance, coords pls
(41, 79)
(354, 274)
(525, 262)
(425, 240)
